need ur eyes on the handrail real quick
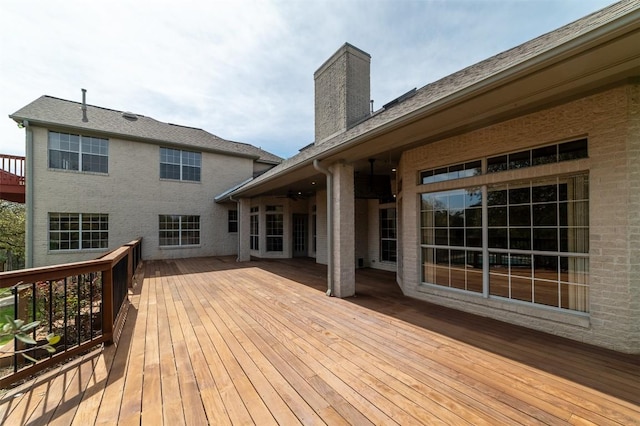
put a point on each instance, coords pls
(84, 302)
(12, 169)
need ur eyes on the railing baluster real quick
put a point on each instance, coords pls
(34, 300)
(50, 313)
(108, 278)
(14, 290)
(91, 306)
(66, 335)
(78, 318)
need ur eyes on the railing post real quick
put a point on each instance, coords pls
(130, 253)
(107, 305)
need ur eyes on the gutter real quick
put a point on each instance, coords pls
(318, 167)
(29, 188)
(134, 138)
(221, 197)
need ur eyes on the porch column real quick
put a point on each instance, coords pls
(343, 232)
(244, 207)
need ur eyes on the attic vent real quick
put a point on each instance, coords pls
(129, 116)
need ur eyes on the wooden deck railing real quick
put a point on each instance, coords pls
(12, 178)
(13, 168)
(81, 302)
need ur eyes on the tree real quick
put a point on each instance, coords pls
(12, 232)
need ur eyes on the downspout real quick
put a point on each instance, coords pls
(239, 227)
(318, 167)
(29, 187)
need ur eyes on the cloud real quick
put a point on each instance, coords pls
(243, 69)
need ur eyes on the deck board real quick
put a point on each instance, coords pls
(219, 342)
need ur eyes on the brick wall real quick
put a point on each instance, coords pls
(133, 195)
(342, 92)
(610, 120)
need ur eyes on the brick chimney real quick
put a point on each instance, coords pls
(342, 92)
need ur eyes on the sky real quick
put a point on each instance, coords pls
(243, 69)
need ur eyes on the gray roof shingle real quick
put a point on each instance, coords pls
(62, 113)
(456, 82)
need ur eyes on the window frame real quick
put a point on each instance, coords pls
(274, 228)
(388, 235)
(183, 230)
(232, 221)
(183, 162)
(84, 226)
(254, 228)
(86, 149)
(558, 203)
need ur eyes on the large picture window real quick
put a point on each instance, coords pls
(178, 230)
(451, 228)
(77, 152)
(274, 228)
(78, 231)
(537, 240)
(180, 165)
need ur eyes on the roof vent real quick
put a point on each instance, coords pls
(129, 116)
(401, 98)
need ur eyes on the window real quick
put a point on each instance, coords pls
(388, 235)
(78, 231)
(180, 165)
(179, 230)
(274, 228)
(533, 157)
(451, 236)
(233, 221)
(76, 152)
(254, 228)
(538, 240)
(456, 171)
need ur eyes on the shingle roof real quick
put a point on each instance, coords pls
(456, 82)
(49, 110)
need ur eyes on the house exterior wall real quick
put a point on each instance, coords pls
(133, 195)
(611, 122)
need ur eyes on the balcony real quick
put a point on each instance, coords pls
(12, 172)
(212, 341)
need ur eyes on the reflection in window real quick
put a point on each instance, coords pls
(456, 171)
(539, 244)
(78, 231)
(77, 152)
(537, 239)
(451, 228)
(533, 157)
(180, 165)
(175, 230)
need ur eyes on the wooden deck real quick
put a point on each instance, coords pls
(219, 342)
